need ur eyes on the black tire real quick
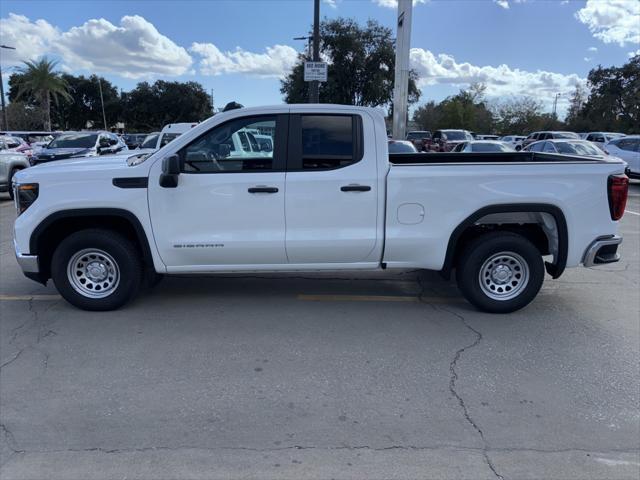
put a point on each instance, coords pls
(502, 258)
(117, 249)
(11, 174)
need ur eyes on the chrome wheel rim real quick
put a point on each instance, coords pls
(93, 273)
(504, 276)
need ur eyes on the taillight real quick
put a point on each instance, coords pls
(618, 187)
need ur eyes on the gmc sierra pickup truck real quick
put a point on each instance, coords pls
(326, 196)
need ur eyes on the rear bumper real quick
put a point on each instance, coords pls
(602, 250)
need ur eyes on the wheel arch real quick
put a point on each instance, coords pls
(466, 229)
(48, 234)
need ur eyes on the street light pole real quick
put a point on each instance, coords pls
(104, 117)
(4, 107)
(555, 104)
(314, 87)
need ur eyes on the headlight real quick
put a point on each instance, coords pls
(25, 194)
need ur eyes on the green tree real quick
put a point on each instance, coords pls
(39, 80)
(86, 107)
(575, 120)
(22, 116)
(614, 101)
(518, 116)
(428, 116)
(148, 107)
(361, 66)
(467, 110)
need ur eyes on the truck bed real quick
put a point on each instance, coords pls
(502, 157)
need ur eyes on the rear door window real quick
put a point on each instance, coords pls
(324, 142)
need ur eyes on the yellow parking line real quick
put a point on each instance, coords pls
(377, 298)
(10, 298)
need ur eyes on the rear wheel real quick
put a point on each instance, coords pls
(96, 269)
(500, 272)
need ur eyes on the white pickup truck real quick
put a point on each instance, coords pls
(327, 196)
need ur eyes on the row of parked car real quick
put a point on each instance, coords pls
(22, 149)
(593, 144)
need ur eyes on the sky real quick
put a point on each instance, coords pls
(240, 49)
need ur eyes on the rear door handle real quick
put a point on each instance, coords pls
(355, 188)
(262, 190)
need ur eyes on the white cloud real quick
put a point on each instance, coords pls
(501, 81)
(134, 49)
(593, 49)
(612, 21)
(331, 3)
(394, 3)
(277, 61)
(633, 54)
(505, 3)
(31, 39)
(587, 59)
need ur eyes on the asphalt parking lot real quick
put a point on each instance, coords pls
(323, 376)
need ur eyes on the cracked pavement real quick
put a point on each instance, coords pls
(236, 377)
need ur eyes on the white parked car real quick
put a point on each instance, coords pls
(628, 149)
(329, 196)
(602, 137)
(482, 146)
(514, 141)
(583, 148)
(168, 133)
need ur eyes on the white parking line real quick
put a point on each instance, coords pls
(632, 213)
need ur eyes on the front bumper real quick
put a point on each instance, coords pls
(602, 250)
(28, 263)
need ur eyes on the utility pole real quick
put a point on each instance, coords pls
(104, 117)
(314, 87)
(4, 107)
(401, 82)
(555, 104)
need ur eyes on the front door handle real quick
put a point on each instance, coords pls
(263, 190)
(355, 188)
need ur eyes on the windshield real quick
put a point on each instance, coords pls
(458, 135)
(150, 141)
(565, 135)
(74, 140)
(401, 147)
(490, 147)
(611, 136)
(168, 137)
(418, 135)
(576, 148)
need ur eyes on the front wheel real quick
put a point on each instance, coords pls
(96, 269)
(500, 272)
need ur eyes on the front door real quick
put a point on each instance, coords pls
(227, 211)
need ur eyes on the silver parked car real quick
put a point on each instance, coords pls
(10, 163)
(482, 146)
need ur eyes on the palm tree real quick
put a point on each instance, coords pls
(40, 80)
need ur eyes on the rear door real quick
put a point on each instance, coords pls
(331, 189)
